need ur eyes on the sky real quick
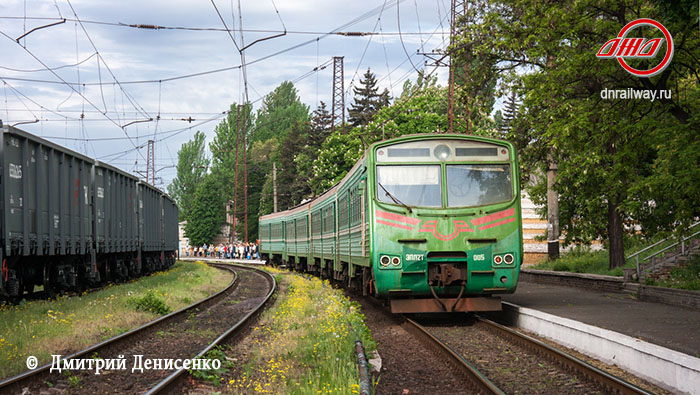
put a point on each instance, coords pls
(95, 80)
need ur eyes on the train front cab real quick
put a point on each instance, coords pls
(445, 222)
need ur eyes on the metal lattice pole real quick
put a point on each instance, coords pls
(150, 164)
(338, 107)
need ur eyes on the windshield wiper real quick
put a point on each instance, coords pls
(392, 197)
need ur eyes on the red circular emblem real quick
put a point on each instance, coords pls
(669, 47)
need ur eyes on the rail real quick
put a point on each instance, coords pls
(480, 384)
(608, 381)
(14, 384)
(653, 255)
(170, 383)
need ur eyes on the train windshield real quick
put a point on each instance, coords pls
(411, 185)
(478, 185)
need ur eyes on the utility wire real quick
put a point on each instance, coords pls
(398, 21)
(144, 26)
(352, 80)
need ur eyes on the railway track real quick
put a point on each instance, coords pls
(187, 334)
(560, 370)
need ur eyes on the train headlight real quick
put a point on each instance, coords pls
(384, 260)
(396, 261)
(497, 259)
(508, 259)
(442, 152)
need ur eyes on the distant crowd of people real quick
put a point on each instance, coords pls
(223, 251)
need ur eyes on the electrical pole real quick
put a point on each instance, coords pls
(552, 197)
(274, 187)
(245, 180)
(338, 105)
(459, 9)
(552, 208)
(150, 164)
(235, 179)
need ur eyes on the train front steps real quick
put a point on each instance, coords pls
(535, 233)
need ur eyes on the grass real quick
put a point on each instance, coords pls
(67, 324)
(685, 277)
(582, 260)
(305, 343)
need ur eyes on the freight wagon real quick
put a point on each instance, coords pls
(429, 222)
(71, 222)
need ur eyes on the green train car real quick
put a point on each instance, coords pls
(429, 222)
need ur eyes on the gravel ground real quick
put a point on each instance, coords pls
(408, 367)
(182, 339)
(612, 369)
(514, 369)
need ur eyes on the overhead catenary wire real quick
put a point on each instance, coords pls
(145, 26)
(160, 81)
(398, 22)
(65, 82)
(364, 52)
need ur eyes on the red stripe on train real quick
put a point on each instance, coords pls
(493, 217)
(505, 221)
(395, 225)
(396, 217)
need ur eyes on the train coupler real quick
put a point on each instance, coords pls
(444, 274)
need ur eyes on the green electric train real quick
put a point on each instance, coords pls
(429, 222)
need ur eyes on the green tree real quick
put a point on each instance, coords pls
(336, 157)
(421, 108)
(280, 110)
(288, 182)
(207, 212)
(367, 100)
(320, 128)
(228, 141)
(192, 166)
(262, 154)
(612, 155)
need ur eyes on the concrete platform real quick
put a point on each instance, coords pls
(223, 260)
(658, 342)
(675, 328)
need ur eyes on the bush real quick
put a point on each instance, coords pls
(560, 267)
(151, 302)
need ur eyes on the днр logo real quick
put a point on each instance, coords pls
(623, 47)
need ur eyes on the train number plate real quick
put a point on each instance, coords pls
(414, 257)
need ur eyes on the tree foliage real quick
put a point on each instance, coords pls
(280, 110)
(207, 213)
(192, 166)
(289, 187)
(421, 108)
(614, 156)
(367, 100)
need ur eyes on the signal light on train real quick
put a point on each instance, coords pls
(508, 259)
(384, 260)
(442, 152)
(396, 261)
(497, 260)
(504, 151)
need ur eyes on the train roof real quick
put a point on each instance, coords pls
(11, 130)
